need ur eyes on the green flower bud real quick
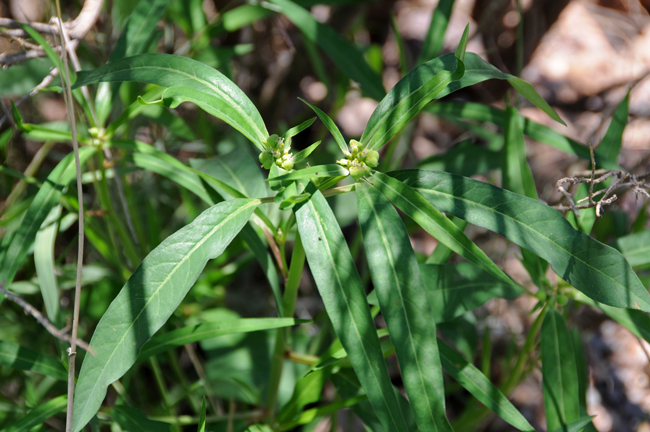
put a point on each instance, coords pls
(272, 141)
(264, 156)
(357, 172)
(373, 158)
(287, 164)
(562, 300)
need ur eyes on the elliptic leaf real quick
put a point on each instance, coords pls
(340, 287)
(597, 270)
(150, 296)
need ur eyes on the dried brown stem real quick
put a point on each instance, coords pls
(42, 320)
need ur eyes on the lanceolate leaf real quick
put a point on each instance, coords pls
(208, 87)
(38, 415)
(412, 93)
(331, 170)
(515, 172)
(404, 306)
(18, 357)
(576, 425)
(437, 29)
(190, 334)
(559, 372)
(330, 125)
(597, 270)
(434, 222)
(150, 296)
(340, 287)
(308, 390)
(454, 289)
(342, 52)
(467, 375)
(44, 262)
(43, 202)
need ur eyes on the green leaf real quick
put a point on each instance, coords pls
(515, 172)
(140, 29)
(410, 95)
(19, 357)
(202, 417)
(484, 113)
(576, 425)
(150, 296)
(316, 413)
(635, 248)
(598, 270)
(559, 372)
(190, 334)
(436, 35)
(454, 289)
(38, 415)
(307, 390)
(609, 148)
(635, 321)
(297, 129)
(331, 170)
(190, 81)
(330, 125)
(132, 420)
(342, 52)
(583, 375)
(404, 305)
(304, 154)
(44, 201)
(465, 158)
(467, 375)
(44, 262)
(340, 287)
(434, 222)
(442, 253)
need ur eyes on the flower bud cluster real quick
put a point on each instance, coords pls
(98, 136)
(277, 152)
(359, 161)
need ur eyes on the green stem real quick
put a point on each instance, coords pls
(162, 387)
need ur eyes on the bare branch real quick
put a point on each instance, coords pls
(31, 310)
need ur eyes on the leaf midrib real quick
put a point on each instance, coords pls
(164, 282)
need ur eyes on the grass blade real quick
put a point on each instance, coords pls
(150, 296)
(436, 35)
(607, 152)
(342, 52)
(473, 380)
(19, 357)
(434, 222)
(559, 372)
(194, 81)
(37, 416)
(190, 334)
(132, 420)
(42, 204)
(597, 270)
(44, 262)
(340, 287)
(404, 305)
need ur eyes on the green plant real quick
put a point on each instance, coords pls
(260, 218)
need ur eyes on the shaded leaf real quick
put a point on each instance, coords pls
(609, 148)
(598, 270)
(404, 305)
(340, 287)
(635, 248)
(559, 372)
(132, 420)
(19, 357)
(473, 380)
(331, 170)
(435, 37)
(38, 415)
(454, 289)
(342, 52)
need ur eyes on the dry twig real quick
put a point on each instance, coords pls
(622, 182)
(31, 310)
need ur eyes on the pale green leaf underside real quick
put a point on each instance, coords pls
(150, 296)
(598, 270)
